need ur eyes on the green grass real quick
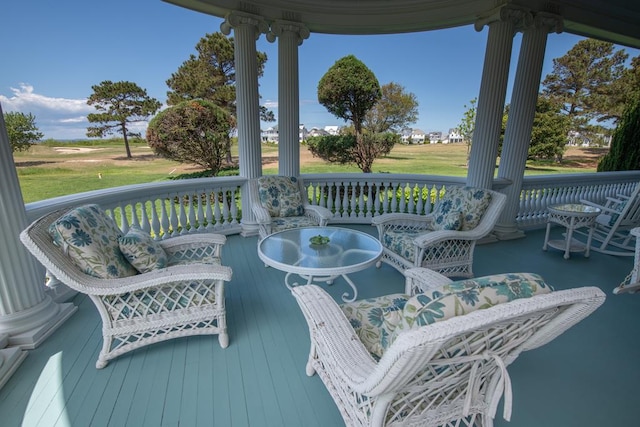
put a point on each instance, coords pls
(56, 168)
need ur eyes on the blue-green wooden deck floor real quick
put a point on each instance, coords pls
(587, 377)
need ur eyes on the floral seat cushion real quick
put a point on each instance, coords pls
(280, 195)
(471, 202)
(90, 238)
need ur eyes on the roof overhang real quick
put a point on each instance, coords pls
(617, 21)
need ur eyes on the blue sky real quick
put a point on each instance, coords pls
(53, 52)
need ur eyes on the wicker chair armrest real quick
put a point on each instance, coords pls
(156, 278)
(420, 279)
(403, 218)
(321, 213)
(261, 213)
(332, 335)
(204, 239)
(434, 237)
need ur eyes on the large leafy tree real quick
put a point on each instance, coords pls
(625, 145)
(211, 75)
(549, 131)
(22, 130)
(393, 112)
(119, 105)
(348, 90)
(583, 82)
(192, 131)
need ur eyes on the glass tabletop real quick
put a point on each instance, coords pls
(575, 208)
(294, 250)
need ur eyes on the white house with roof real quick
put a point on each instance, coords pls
(415, 136)
(270, 135)
(453, 137)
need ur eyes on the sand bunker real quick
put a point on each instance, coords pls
(67, 150)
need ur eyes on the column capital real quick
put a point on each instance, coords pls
(520, 18)
(237, 19)
(278, 28)
(549, 22)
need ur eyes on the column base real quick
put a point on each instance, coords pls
(249, 229)
(10, 360)
(33, 337)
(506, 232)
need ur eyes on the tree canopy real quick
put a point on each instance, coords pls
(22, 130)
(393, 112)
(549, 131)
(192, 131)
(624, 153)
(348, 90)
(584, 80)
(119, 105)
(211, 75)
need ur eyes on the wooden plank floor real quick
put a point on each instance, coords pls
(587, 377)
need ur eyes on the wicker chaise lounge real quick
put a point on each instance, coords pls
(408, 359)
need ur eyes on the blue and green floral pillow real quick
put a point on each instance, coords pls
(375, 320)
(144, 253)
(471, 202)
(280, 195)
(90, 238)
(465, 296)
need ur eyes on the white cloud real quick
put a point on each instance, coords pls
(56, 118)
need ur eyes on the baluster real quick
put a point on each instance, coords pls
(225, 206)
(173, 216)
(164, 219)
(193, 203)
(155, 221)
(353, 198)
(144, 221)
(369, 202)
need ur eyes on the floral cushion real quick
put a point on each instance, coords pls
(472, 202)
(90, 238)
(144, 253)
(280, 195)
(375, 319)
(448, 221)
(401, 242)
(286, 223)
(465, 296)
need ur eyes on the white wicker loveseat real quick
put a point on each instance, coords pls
(414, 359)
(180, 291)
(443, 240)
(281, 202)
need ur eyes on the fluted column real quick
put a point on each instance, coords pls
(522, 111)
(290, 35)
(27, 314)
(493, 89)
(246, 30)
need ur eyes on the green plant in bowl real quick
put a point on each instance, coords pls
(319, 240)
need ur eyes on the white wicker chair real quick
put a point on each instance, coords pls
(186, 298)
(450, 373)
(449, 252)
(311, 215)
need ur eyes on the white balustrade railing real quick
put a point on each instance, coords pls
(165, 209)
(538, 192)
(172, 208)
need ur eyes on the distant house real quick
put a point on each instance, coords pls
(415, 136)
(435, 137)
(332, 130)
(270, 135)
(317, 132)
(302, 133)
(453, 137)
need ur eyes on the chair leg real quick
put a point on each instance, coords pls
(223, 339)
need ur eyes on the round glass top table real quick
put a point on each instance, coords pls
(320, 254)
(572, 216)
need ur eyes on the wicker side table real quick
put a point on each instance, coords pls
(572, 216)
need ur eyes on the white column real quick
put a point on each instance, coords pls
(493, 89)
(290, 36)
(27, 314)
(246, 30)
(521, 114)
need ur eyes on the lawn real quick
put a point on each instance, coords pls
(51, 170)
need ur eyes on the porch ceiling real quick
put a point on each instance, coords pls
(617, 21)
